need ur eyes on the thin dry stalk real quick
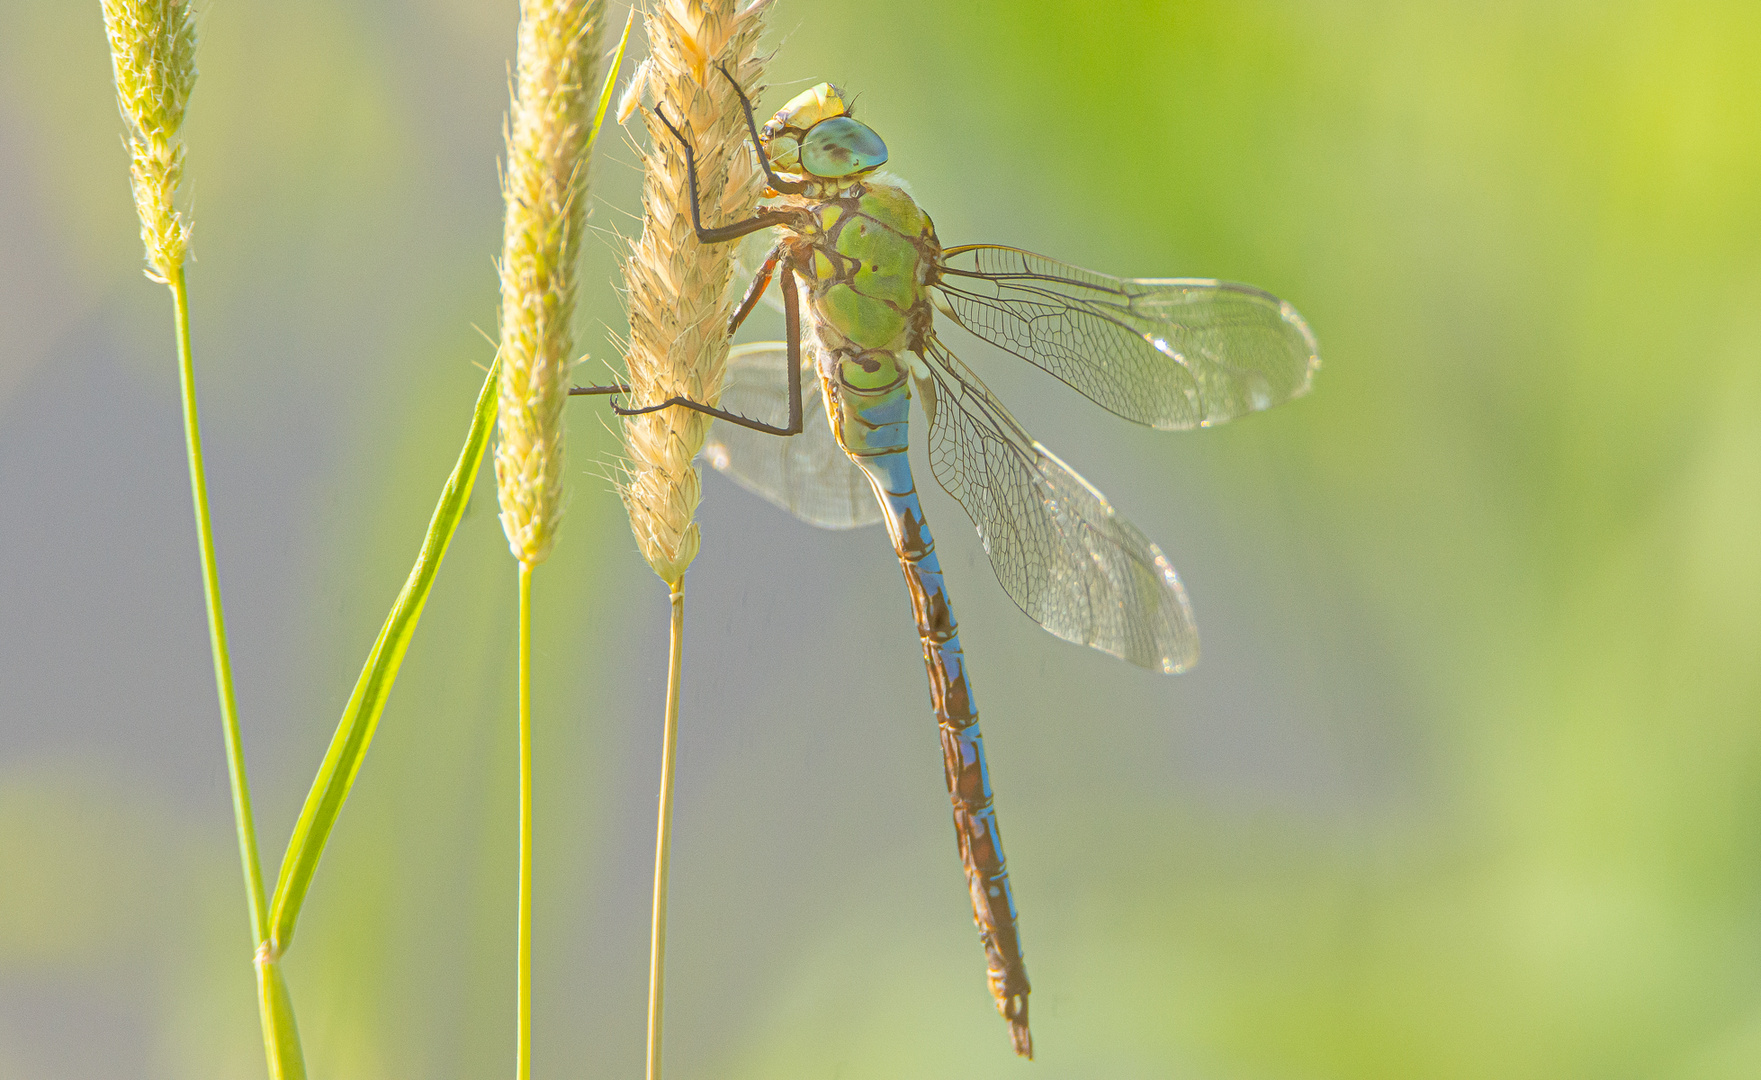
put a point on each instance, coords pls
(663, 839)
(153, 54)
(677, 287)
(545, 187)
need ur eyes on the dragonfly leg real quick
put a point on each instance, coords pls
(792, 313)
(777, 183)
(792, 332)
(760, 281)
(721, 234)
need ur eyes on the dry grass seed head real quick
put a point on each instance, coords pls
(677, 287)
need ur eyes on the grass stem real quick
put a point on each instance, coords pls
(523, 1039)
(280, 1039)
(235, 756)
(664, 831)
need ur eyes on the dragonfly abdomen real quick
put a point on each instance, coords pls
(866, 280)
(963, 759)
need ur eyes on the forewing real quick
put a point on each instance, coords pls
(1168, 352)
(1061, 552)
(806, 474)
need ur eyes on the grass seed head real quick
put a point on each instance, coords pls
(677, 287)
(153, 55)
(544, 185)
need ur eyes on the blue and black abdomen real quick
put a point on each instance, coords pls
(950, 693)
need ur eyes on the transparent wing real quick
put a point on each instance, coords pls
(1169, 352)
(806, 474)
(749, 255)
(1061, 552)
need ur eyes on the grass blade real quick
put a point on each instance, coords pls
(611, 78)
(355, 731)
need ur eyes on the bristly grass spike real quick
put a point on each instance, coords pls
(153, 56)
(677, 290)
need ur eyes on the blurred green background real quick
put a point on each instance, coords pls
(1467, 785)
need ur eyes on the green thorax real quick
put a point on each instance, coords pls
(866, 256)
(871, 252)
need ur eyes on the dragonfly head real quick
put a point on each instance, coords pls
(815, 135)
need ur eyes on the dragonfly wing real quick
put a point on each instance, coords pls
(749, 255)
(806, 474)
(1168, 352)
(1060, 550)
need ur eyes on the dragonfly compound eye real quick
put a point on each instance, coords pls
(841, 147)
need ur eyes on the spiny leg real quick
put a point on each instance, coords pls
(777, 184)
(721, 234)
(792, 316)
(753, 294)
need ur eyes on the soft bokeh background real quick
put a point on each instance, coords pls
(1468, 784)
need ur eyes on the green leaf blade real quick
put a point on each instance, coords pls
(611, 78)
(354, 732)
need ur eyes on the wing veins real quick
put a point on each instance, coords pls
(1059, 549)
(1169, 352)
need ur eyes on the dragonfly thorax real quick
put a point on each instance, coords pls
(867, 257)
(815, 136)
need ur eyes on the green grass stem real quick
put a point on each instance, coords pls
(281, 1036)
(523, 1007)
(235, 755)
(281, 1041)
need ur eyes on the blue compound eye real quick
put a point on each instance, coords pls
(841, 147)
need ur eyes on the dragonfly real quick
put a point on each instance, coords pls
(862, 276)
